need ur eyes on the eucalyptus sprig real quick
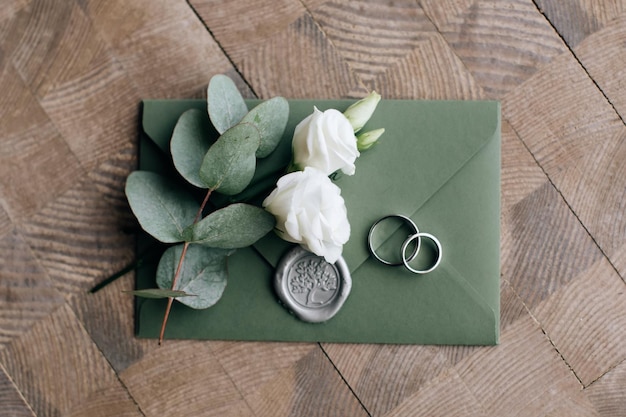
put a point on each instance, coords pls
(193, 270)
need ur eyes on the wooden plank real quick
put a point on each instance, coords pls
(280, 40)
(12, 403)
(520, 174)
(445, 396)
(110, 401)
(430, 72)
(36, 165)
(183, 378)
(603, 55)
(5, 222)
(372, 36)
(545, 246)
(108, 317)
(83, 236)
(502, 42)
(578, 139)
(251, 365)
(84, 91)
(162, 45)
(607, 394)
(523, 373)
(10, 7)
(301, 49)
(27, 293)
(382, 376)
(240, 27)
(586, 321)
(55, 365)
(311, 387)
(577, 19)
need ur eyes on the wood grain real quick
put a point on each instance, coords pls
(603, 55)
(523, 373)
(55, 365)
(371, 36)
(107, 402)
(384, 375)
(311, 55)
(83, 236)
(83, 90)
(12, 402)
(577, 19)
(446, 395)
(311, 387)
(607, 394)
(545, 246)
(72, 73)
(430, 72)
(36, 165)
(240, 28)
(105, 314)
(5, 222)
(23, 301)
(502, 43)
(192, 383)
(520, 174)
(253, 364)
(586, 322)
(140, 35)
(579, 146)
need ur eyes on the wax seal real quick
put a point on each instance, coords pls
(311, 288)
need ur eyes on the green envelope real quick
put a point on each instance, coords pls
(438, 163)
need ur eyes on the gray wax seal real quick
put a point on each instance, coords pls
(313, 289)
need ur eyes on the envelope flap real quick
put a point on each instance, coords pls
(425, 144)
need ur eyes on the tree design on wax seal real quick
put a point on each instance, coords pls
(313, 282)
(312, 288)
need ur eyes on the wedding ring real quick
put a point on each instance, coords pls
(418, 236)
(416, 231)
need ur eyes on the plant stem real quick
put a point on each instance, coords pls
(170, 300)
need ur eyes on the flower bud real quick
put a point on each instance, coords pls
(366, 140)
(360, 112)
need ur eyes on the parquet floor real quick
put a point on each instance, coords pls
(72, 73)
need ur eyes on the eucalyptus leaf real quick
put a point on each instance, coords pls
(162, 207)
(190, 142)
(226, 106)
(160, 293)
(204, 273)
(235, 226)
(270, 117)
(228, 166)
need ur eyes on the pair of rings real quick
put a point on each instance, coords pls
(415, 235)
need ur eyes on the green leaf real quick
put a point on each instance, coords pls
(229, 164)
(225, 104)
(159, 293)
(270, 117)
(236, 226)
(161, 206)
(204, 273)
(190, 142)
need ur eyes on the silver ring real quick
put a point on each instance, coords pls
(419, 236)
(415, 232)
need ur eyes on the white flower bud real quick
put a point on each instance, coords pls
(360, 112)
(366, 140)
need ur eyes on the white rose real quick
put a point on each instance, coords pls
(326, 141)
(309, 210)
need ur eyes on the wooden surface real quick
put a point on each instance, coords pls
(72, 73)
